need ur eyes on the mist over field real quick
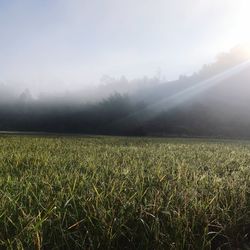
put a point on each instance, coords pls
(127, 68)
(211, 102)
(124, 124)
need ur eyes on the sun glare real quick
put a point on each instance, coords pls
(244, 50)
(247, 50)
(236, 27)
(241, 25)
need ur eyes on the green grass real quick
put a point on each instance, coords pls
(123, 193)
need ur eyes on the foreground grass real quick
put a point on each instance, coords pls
(121, 193)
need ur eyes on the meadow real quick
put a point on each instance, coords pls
(123, 193)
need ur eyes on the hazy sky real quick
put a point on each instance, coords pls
(63, 44)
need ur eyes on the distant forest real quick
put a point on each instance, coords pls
(143, 107)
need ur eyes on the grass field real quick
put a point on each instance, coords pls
(123, 193)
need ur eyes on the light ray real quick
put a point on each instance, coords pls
(171, 102)
(186, 94)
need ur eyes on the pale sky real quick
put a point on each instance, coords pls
(67, 44)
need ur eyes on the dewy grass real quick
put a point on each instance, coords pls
(123, 193)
